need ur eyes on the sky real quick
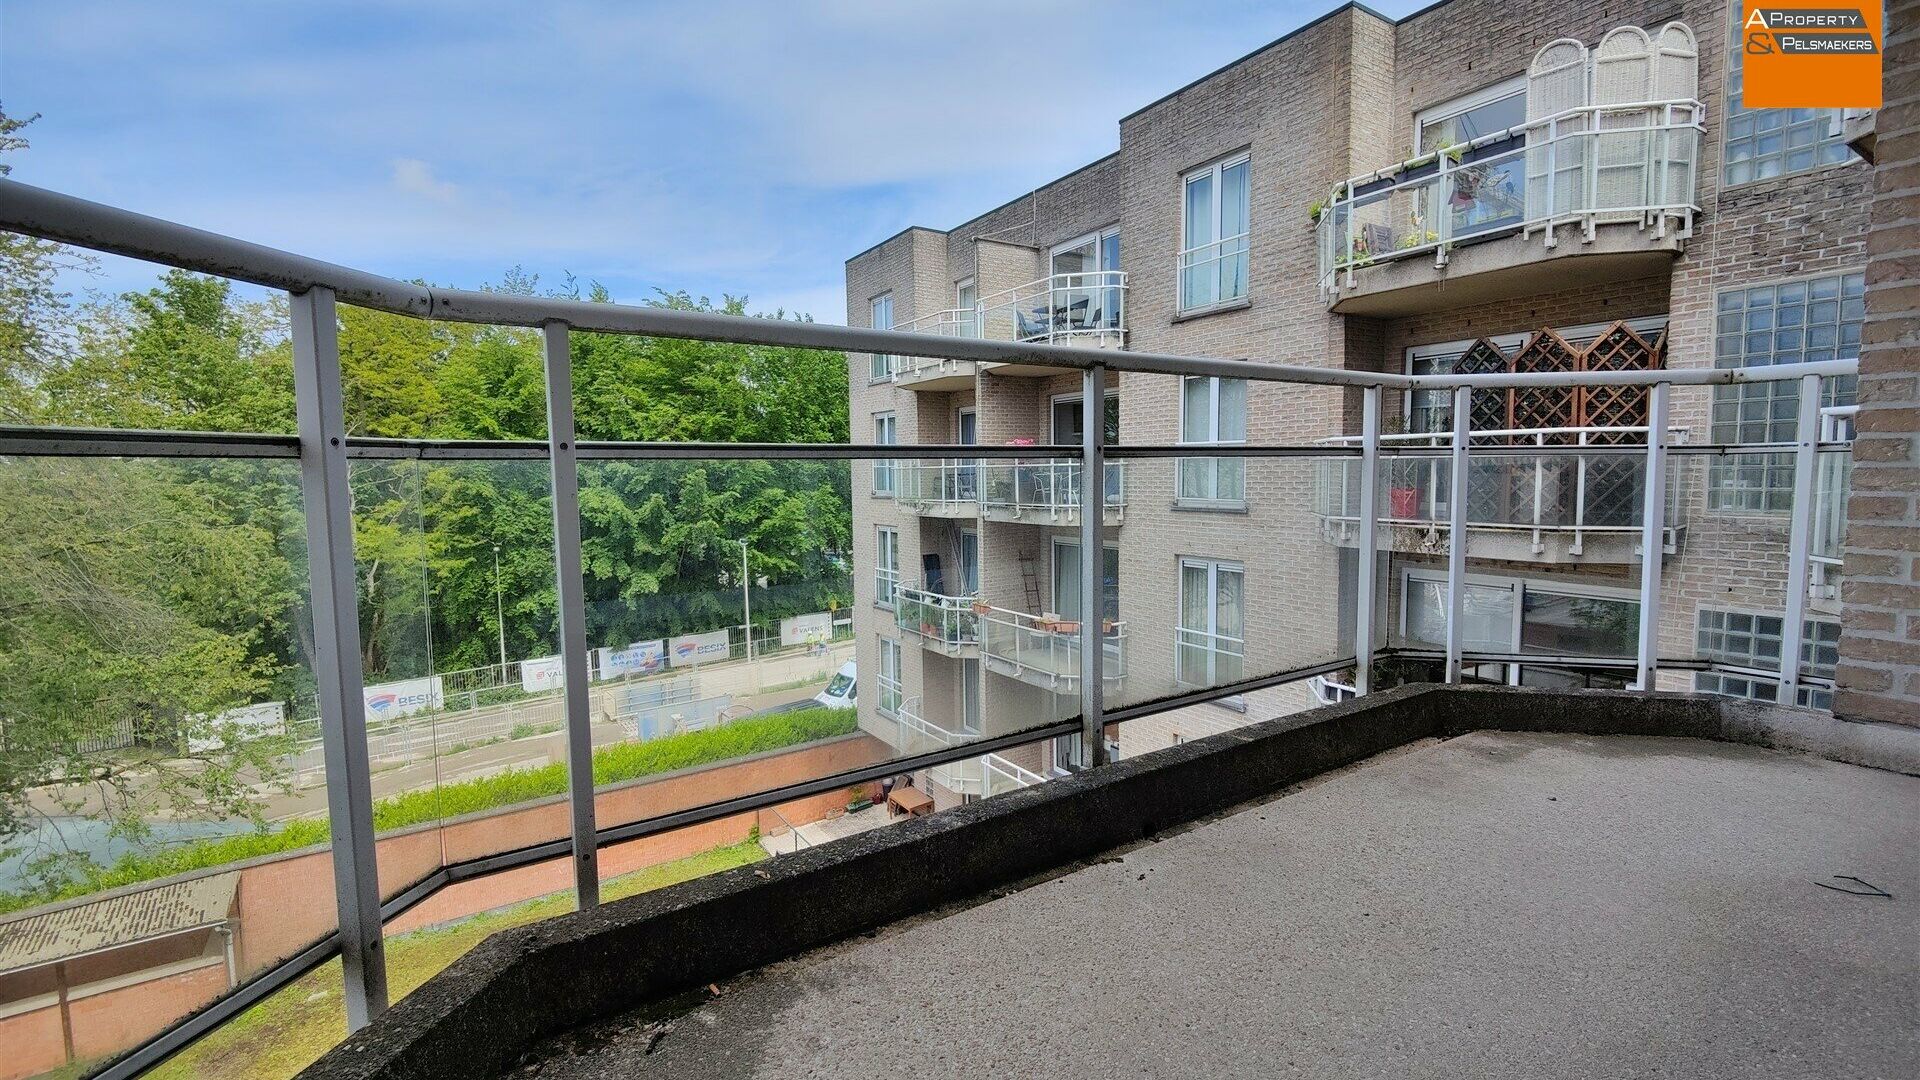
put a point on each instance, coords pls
(744, 148)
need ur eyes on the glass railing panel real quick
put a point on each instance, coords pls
(1211, 594)
(163, 820)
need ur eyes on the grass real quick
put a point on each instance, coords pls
(611, 765)
(290, 1030)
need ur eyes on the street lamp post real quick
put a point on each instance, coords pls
(746, 598)
(500, 611)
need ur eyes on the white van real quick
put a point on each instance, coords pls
(840, 693)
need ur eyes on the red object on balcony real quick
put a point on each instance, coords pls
(1403, 503)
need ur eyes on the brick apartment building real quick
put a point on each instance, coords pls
(1485, 185)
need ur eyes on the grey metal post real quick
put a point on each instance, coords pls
(1806, 459)
(1653, 531)
(1457, 531)
(1093, 509)
(1369, 539)
(573, 613)
(339, 681)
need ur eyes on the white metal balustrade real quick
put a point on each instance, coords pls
(1083, 309)
(947, 488)
(1629, 163)
(1046, 491)
(1044, 651)
(949, 625)
(1567, 485)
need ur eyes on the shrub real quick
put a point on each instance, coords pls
(611, 765)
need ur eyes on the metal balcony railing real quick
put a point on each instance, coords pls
(1079, 308)
(949, 624)
(1001, 776)
(1588, 166)
(1561, 487)
(1044, 650)
(886, 586)
(1050, 489)
(1041, 651)
(963, 777)
(1832, 483)
(946, 488)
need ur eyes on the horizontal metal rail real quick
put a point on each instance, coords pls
(69, 220)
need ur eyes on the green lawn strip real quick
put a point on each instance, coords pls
(611, 765)
(290, 1030)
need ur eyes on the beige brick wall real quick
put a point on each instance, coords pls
(1879, 676)
(1334, 99)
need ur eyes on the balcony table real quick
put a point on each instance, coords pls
(911, 801)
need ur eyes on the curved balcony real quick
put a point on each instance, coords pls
(949, 625)
(932, 374)
(939, 489)
(1554, 505)
(919, 735)
(1044, 651)
(1046, 492)
(1472, 206)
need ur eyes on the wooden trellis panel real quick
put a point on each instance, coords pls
(1617, 348)
(1486, 409)
(1545, 406)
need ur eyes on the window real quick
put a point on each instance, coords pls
(1209, 645)
(886, 566)
(886, 432)
(1783, 323)
(889, 677)
(1212, 410)
(1085, 292)
(1066, 582)
(1464, 119)
(970, 696)
(881, 310)
(969, 563)
(1773, 142)
(1214, 229)
(1065, 755)
(1753, 641)
(966, 297)
(1509, 615)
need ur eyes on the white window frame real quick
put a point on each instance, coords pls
(1213, 567)
(886, 565)
(886, 432)
(1213, 502)
(1180, 265)
(1486, 95)
(1097, 239)
(1519, 586)
(889, 648)
(1053, 572)
(885, 365)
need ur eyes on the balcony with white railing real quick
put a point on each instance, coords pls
(948, 488)
(931, 373)
(1046, 492)
(1000, 776)
(1044, 650)
(1470, 208)
(1538, 495)
(949, 625)
(918, 735)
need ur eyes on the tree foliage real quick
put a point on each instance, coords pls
(163, 594)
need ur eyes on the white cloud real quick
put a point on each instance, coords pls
(415, 177)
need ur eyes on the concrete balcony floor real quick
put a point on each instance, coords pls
(1496, 904)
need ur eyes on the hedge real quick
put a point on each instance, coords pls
(611, 765)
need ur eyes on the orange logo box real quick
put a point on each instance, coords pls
(1810, 54)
